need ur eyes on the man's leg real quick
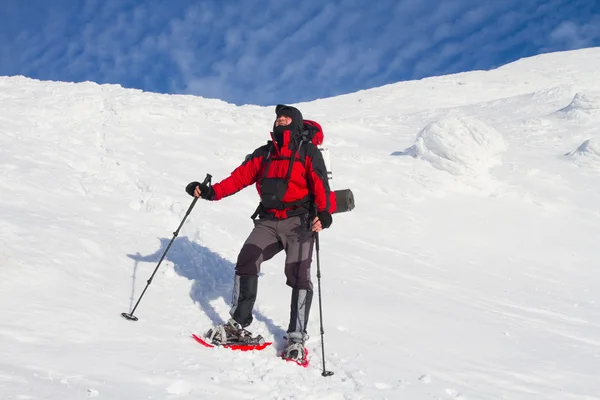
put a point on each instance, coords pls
(299, 242)
(261, 245)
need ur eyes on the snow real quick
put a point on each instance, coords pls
(588, 153)
(585, 105)
(459, 144)
(468, 272)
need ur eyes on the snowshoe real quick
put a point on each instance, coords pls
(296, 352)
(241, 347)
(232, 333)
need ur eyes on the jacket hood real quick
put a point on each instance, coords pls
(297, 124)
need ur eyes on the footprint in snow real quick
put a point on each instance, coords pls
(179, 387)
(382, 386)
(455, 394)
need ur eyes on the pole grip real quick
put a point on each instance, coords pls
(207, 179)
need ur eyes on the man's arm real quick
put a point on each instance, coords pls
(244, 175)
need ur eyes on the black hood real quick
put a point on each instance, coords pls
(297, 125)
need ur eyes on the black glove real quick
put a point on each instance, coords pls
(325, 218)
(206, 192)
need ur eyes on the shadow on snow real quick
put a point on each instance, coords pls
(212, 277)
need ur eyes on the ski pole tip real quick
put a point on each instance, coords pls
(129, 317)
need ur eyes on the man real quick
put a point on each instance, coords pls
(291, 179)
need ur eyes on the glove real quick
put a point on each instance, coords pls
(206, 192)
(325, 218)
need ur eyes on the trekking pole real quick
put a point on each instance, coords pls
(130, 315)
(325, 372)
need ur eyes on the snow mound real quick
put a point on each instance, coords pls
(584, 106)
(459, 144)
(553, 93)
(587, 153)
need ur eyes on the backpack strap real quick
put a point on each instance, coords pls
(291, 165)
(290, 204)
(269, 158)
(305, 199)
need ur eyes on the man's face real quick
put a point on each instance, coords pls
(283, 120)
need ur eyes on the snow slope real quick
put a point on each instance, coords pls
(468, 270)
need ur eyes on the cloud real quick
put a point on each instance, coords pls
(266, 52)
(570, 35)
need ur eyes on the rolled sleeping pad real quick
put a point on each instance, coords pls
(342, 201)
(327, 160)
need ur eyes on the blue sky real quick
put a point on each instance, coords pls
(280, 51)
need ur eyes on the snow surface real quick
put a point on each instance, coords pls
(584, 106)
(588, 153)
(460, 145)
(467, 272)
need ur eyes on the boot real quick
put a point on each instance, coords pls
(295, 350)
(232, 333)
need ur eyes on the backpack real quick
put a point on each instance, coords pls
(339, 200)
(313, 132)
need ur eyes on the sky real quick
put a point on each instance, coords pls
(266, 52)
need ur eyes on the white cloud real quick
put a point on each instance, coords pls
(572, 35)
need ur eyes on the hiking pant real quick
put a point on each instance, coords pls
(267, 239)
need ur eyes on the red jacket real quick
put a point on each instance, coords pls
(309, 175)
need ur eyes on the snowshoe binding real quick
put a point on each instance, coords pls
(232, 333)
(296, 352)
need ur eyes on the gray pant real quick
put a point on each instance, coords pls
(268, 238)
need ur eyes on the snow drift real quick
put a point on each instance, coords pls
(585, 105)
(587, 153)
(459, 144)
(554, 93)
